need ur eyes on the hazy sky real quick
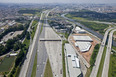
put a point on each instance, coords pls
(57, 1)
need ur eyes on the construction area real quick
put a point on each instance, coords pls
(83, 42)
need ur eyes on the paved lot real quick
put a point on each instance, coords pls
(11, 35)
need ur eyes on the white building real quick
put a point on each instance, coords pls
(79, 30)
(83, 46)
(72, 62)
(82, 38)
(13, 54)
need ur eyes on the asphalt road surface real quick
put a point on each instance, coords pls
(54, 50)
(28, 63)
(107, 57)
(99, 56)
(41, 54)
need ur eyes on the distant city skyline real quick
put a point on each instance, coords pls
(58, 1)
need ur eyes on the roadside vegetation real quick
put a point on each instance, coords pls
(92, 15)
(101, 63)
(48, 70)
(92, 60)
(113, 47)
(29, 11)
(112, 66)
(34, 27)
(22, 54)
(14, 43)
(98, 27)
(63, 58)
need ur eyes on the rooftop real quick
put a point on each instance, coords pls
(82, 38)
(83, 46)
(73, 65)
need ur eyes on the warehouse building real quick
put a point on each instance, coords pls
(79, 30)
(72, 62)
(82, 38)
(83, 46)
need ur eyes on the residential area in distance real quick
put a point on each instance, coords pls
(57, 39)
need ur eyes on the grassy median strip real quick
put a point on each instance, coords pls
(34, 67)
(41, 28)
(63, 58)
(101, 63)
(48, 70)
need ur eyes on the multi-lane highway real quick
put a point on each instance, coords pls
(107, 57)
(28, 63)
(41, 52)
(54, 50)
(99, 56)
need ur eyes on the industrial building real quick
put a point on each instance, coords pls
(83, 46)
(72, 62)
(82, 38)
(79, 30)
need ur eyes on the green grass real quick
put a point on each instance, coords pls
(48, 70)
(33, 31)
(6, 64)
(90, 24)
(101, 63)
(41, 28)
(26, 42)
(34, 22)
(88, 72)
(112, 66)
(76, 18)
(34, 27)
(113, 47)
(34, 67)
(92, 60)
(114, 33)
(63, 59)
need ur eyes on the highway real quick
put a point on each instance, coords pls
(99, 56)
(41, 54)
(27, 66)
(107, 57)
(54, 50)
(87, 29)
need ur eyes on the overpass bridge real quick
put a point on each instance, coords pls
(49, 39)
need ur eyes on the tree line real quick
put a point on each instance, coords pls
(15, 43)
(92, 15)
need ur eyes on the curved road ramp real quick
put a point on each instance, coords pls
(107, 57)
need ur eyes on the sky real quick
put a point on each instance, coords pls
(58, 1)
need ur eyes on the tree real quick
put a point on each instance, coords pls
(28, 35)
